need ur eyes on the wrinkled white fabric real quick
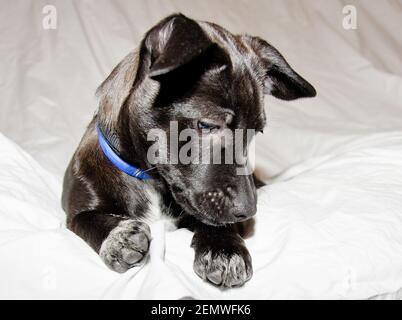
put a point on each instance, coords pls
(329, 225)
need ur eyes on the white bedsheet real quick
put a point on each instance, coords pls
(329, 226)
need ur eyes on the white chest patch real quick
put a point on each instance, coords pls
(154, 212)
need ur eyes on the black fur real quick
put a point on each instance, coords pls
(184, 71)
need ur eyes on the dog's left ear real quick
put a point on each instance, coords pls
(173, 42)
(281, 80)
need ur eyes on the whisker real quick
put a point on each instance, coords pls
(149, 169)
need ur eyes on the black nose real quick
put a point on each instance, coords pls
(243, 208)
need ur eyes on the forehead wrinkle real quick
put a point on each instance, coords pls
(215, 71)
(197, 107)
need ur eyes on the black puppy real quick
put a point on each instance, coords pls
(207, 79)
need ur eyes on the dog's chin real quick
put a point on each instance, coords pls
(208, 220)
(211, 221)
(202, 217)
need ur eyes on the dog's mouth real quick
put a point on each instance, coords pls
(197, 212)
(186, 200)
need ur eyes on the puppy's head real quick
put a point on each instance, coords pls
(198, 76)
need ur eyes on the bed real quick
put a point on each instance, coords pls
(329, 220)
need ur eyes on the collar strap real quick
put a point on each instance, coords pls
(118, 162)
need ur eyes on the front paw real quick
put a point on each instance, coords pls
(224, 263)
(126, 245)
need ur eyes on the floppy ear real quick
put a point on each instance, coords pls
(281, 80)
(173, 42)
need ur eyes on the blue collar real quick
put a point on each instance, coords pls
(117, 161)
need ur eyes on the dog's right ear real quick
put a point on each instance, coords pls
(281, 80)
(173, 42)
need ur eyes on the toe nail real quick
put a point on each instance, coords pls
(116, 266)
(215, 277)
(131, 256)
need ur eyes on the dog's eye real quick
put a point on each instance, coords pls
(202, 125)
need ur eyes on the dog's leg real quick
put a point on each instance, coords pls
(221, 256)
(120, 241)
